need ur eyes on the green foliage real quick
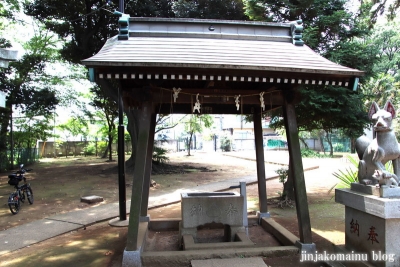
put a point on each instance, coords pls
(90, 149)
(210, 9)
(196, 124)
(30, 89)
(336, 33)
(327, 21)
(75, 126)
(338, 147)
(309, 153)
(88, 33)
(107, 112)
(159, 155)
(283, 174)
(226, 143)
(329, 109)
(7, 10)
(348, 176)
(102, 147)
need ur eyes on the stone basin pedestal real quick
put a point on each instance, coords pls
(212, 207)
(372, 226)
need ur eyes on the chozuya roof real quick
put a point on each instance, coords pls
(214, 44)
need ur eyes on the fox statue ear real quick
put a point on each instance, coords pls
(373, 109)
(390, 108)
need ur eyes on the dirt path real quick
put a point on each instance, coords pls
(59, 185)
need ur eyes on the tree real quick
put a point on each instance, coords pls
(163, 122)
(326, 22)
(338, 34)
(27, 84)
(88, 25)
(7, 8)
(328, 108)
(210, 9)
(381, 86)
(195, 124)
(75, 126)
(28, 129)
(109, 112)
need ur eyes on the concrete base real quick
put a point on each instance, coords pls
(383, 191)
(116, 222)
(285, 237)
(261, 215)
(389, 192)
(131, 259)
(184, 258)
(229, 232)
(365, 189)
(241, 240)
(144, 218)
(238, 262)
(307, 248)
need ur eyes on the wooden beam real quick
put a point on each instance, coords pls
(138, 177)
(258, 137)
(147, 175)
(297, 172)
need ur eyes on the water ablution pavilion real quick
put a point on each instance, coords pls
(192, 66)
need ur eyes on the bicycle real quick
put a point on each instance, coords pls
(22, 192)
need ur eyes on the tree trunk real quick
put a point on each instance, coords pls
(110, 147)
(321, 143)
(5, 123)
(288, 188)
(329, 140)
(304, 142)
(133, 129)
(133, 125)
(352, 145)
(105, 152)
(66, 149)
(189, 143)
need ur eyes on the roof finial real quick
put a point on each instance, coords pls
(123, 24)
(297, 32)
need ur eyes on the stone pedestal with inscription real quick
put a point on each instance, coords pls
(214, 207)
(372, 226)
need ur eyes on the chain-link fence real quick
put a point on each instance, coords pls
(339, 145)
(20, 156)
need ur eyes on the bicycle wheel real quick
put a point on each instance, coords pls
(29, 195)
(13, 203)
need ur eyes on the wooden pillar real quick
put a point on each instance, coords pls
(297, 172)
(149, 161)
(138, 177)
(258, 137)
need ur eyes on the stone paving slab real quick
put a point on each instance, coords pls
(236, 262)
(33, 232)
(88, 216)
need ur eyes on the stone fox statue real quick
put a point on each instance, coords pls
(374, 154)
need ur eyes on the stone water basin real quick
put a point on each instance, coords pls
(211, 207)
